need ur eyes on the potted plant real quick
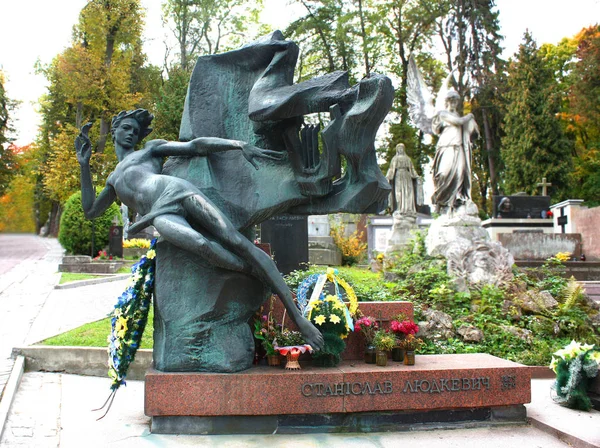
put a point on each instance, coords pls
(291, 344)
(410, 343)
(368, 326)
(401, 326)
(329, 316)
(266, 331)
(384, 342)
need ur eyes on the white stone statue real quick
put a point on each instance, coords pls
(404, 181)
(452, 161)
(457, 233)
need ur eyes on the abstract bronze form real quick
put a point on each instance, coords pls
(245, 155)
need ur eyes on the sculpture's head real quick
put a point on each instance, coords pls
(452, 99)
(130, 127)
(400, 149)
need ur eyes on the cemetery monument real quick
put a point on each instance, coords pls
(404, 180)
(457, 233)
(245, 155)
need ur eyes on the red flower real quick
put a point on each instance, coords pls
(405, 327)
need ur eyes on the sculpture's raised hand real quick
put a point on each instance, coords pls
(83, 145)
(312, 335)
(250, 152)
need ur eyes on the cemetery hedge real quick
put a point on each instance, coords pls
(75, 233)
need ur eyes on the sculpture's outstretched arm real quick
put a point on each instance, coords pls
(92, 206)
(203, 146)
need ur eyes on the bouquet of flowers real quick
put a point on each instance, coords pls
(411, 343)
(367, 326)
(401, 326)
(574, 366)
(384, 341)
(266, 331)
(329, 316)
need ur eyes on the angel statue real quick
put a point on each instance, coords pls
(452, 161)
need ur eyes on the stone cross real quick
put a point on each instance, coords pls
(544, 186)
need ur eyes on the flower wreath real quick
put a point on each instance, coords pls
(316, 282)
(129, 319)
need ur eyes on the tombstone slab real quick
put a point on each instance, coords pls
(458, 383)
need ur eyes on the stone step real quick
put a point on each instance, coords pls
(437, 383)
(592, 289)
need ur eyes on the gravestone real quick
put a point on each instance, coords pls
(288, 237)
(520, 207)
(379, 231)
(321, 248)
(115, 241)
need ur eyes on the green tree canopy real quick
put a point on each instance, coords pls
(534, 145)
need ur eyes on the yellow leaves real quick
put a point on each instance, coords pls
(16, 206)
(351, 246)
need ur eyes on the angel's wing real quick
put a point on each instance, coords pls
(420, 101)
(440, 99)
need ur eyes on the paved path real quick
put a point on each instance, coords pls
(28, 273)
(54, 410)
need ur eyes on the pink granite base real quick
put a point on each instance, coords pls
(436, 382)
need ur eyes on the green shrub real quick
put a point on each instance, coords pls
(75, 233)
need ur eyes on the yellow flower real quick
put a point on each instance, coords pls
(554, 364)
(334, 319)
(595, 356)
(339, 306)
(320, 319)
(330, 274)
(121, 327)
(151, 254)
(332, 299)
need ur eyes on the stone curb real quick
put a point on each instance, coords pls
(10, 390)
(86, 361)
(567, 438)
(91, 361)
(93, 281)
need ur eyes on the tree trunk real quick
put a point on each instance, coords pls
(364, 39)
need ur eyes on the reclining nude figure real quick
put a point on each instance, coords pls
(180, 212)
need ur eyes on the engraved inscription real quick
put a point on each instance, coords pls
(508, 382)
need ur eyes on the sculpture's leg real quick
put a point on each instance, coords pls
(201, 314)
(205, 213)
(176, 230)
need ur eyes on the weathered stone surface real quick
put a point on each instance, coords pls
(540, 246)
(512, 310)
(521, 333)
(437, 326)
(534, 302)
(470, 334)
(480, 263)
(402, 229)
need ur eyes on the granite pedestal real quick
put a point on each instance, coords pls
(439, 389)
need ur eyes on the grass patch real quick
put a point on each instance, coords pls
(95, 334)
(124, 269)
(67, 277)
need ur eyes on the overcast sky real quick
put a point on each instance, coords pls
(40, 29)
